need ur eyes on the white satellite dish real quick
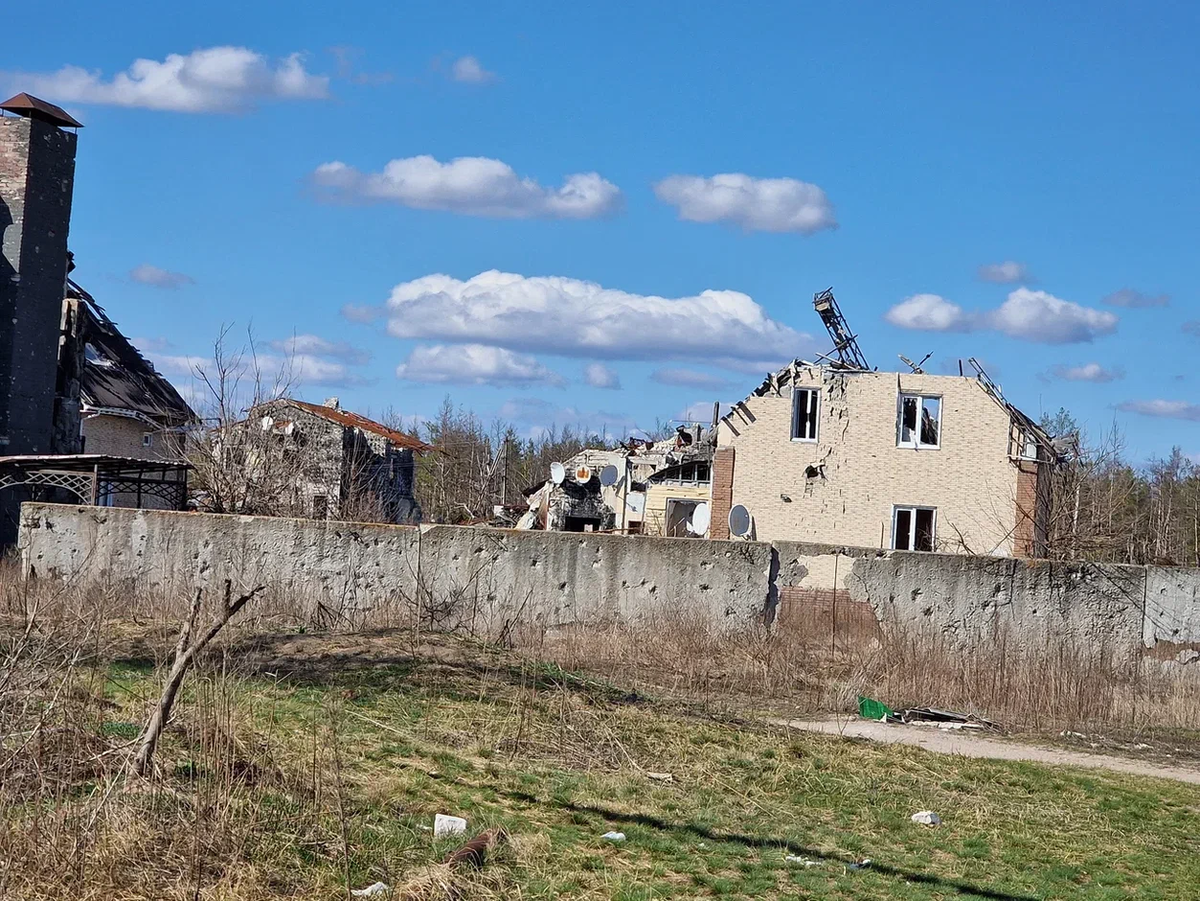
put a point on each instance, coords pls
(267, 423)
(609, 475)
(700, 519)
(558, 473)
(739, 521)
(583, 474)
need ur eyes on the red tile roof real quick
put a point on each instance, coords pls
(353, 420)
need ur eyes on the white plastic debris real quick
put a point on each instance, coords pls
(377, 890)
(802, 861)
(926, 818)
(613, 836)
(444, 825)
(861, 864)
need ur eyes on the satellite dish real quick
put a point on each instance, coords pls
(609, 475)
(267, 423)
(289, 429)
(558, 472)
(739, 521)
(700, 519)
(583, 474)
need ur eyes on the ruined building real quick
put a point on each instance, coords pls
(111, 401)
(911, 461)
(83, 417)
(342, 465)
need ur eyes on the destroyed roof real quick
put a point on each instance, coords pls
(354, 420)
(116, 376)
(775, 381)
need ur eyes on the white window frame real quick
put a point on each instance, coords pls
(813, 392)
(916, 443)
(147, 439)
(912, 529)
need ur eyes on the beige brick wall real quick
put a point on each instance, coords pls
(969, 478)
(121, 436)
(655, 522)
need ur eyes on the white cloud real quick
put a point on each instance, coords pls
(1025, 314)
(1010, 272)
(474, 364)
(1087, 372)
(468, 70)
(309, 369)
(298, 361)
(701, 412)
(212, 80)
(176, 364)
(600, 376)
(688, 378)
(145, 274)
(755, 204)
(928, 312)
(543, 416)
(1131, 298)
(316, 346)
(574, 318)
(1038, 316)
(474, 186)
(1168, 409)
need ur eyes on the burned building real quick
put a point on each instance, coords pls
(110, 399)
(83, 417)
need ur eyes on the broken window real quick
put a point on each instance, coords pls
(679, 518)
(913, 528)
(920, 421)
(806, 402)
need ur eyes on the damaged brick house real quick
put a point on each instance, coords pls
(343, 465)
(110, 400)
(910, 461)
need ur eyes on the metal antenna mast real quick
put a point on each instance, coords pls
(845, 343)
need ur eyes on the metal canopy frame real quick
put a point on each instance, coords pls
(95, 480)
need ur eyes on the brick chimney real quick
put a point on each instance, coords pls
(37, 174)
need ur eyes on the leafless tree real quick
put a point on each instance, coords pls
(241, 466)
(186, 650)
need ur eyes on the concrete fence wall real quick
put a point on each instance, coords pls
(855, 596)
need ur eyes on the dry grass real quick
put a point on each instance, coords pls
(1051, 688)
(299, 765)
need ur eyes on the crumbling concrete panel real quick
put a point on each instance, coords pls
(1172, 621)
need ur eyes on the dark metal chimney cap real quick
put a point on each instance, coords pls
(33, 108)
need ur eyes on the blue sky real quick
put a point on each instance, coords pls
(1013, 182)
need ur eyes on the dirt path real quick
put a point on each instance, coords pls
(970, 744)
